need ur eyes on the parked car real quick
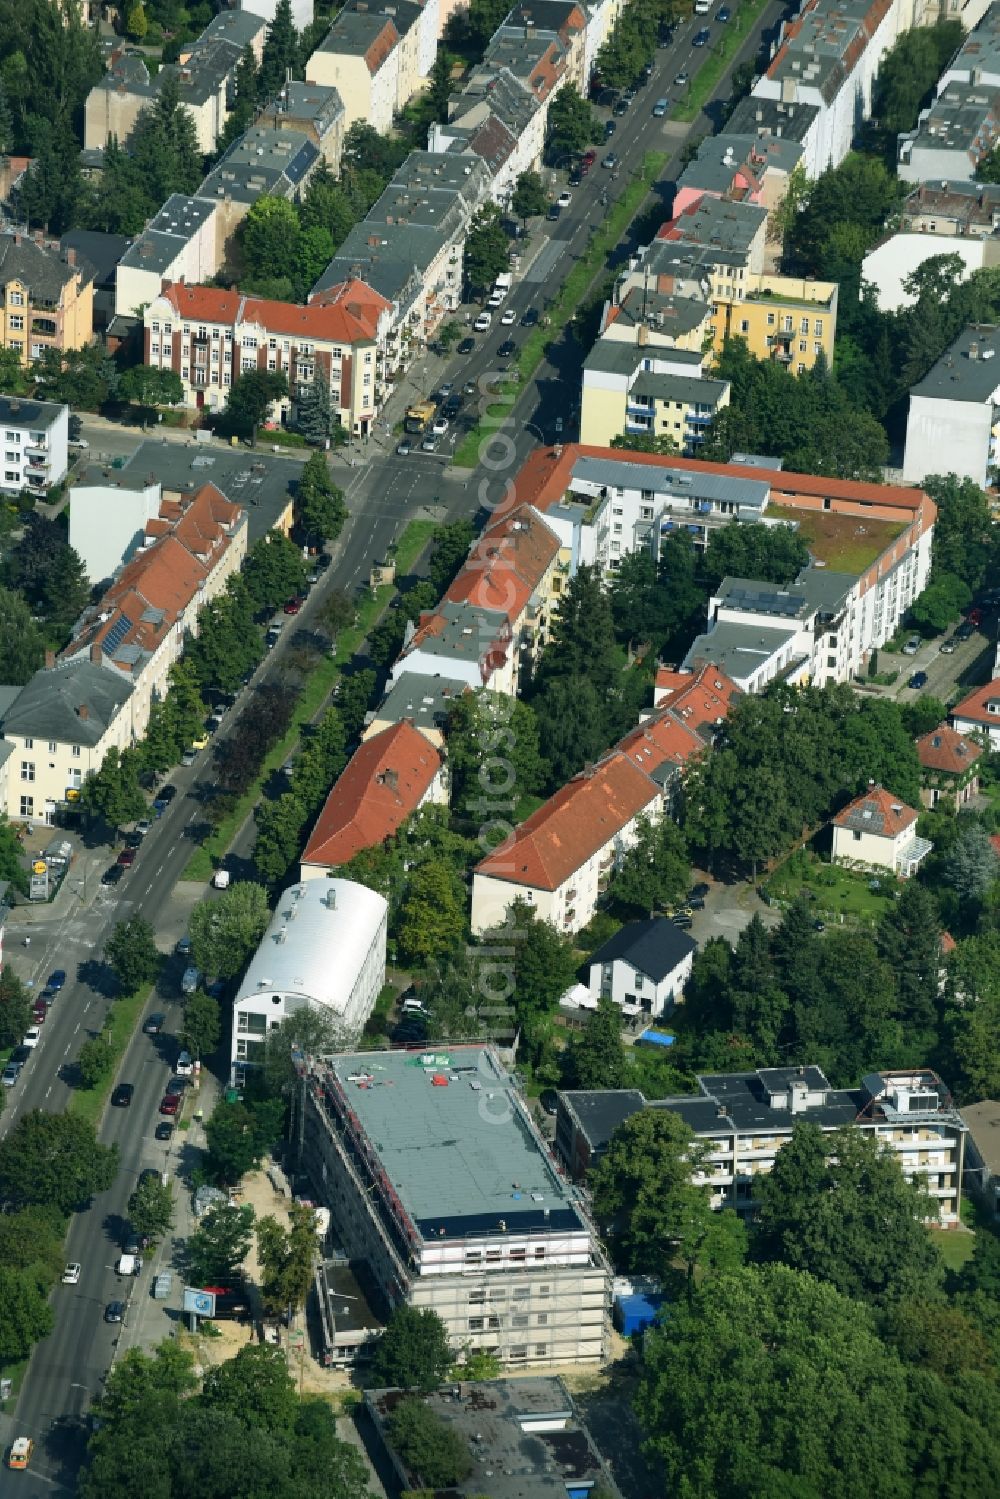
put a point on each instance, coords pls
(682, 921)
(114, 1311)
(32, 1036)
(293, 605)
(564, 199)
(163, 1131)
(495, 298)
(11, 1073)
(163, 798)
(143, 826)
(71, 1274)
(56, 980)
(482, 323)
(184, 1066)
(190, 979)
(948, 647)
(113, 875)
(39, 1012)
(121, 1098)
(912, 646)
(918, 679)
(126, 858)
(176, 1087)
(621, 107)
(610, 126)
(222, 879)
(965, 631)
(467, 346)
(169, 1103)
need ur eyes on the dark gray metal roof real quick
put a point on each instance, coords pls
(968, 371)
(680, 483)
(72, 703)
(19, 411)
(43, 269)
(654, 947)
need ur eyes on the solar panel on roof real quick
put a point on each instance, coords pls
(116, 635)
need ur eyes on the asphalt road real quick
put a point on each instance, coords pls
(383, 493)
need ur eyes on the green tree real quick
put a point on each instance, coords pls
(570, 128)
(164, 145)
(148, 386)
(226, 647)
(432, 920)
(219, 1245)
(799, 1361)
(33, 1239)
(25, 1315)
(436, 1456)
(55, 1160)
(840, 1208)
(768, 554)
(279, 835)
(281, 52)
(307, 1030)
(287, 1259)
(237, 1139)
(202, 1024)
(273, 571)
(908, 938)
(449, 550)
(96, 1060)
(226, 931)
(963, 529)
(492, 752)
(250, 400)
(544, 963)
(908, 73)
(320, 507)
(414, 1352)
(972, 1019)
(22, 646)
(596, 1056)
(256, 1386)
(654, 871)
(313, 412)
(269, 238)
(529, 199)
(641, 442)
(971, 866)
(132, 954)
(15, 1007)
(487, 251)
(151, 1208)
(112, 792)
(941, 602)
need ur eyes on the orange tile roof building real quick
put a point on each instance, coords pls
(138, 626)
(877, 831)
(210, 336)
(388, 778)
(948, 764)
(560, 858)
(979, 714)
(496, 615)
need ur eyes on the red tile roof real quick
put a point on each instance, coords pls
(948, 943)
(975, 707)
(661, 740)
(507, 564)
(345, 313)
(945, 749)
(382, 784)
(705, 698)
(573, 825)
(877, 813)
(547, 473)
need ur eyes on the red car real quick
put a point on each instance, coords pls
(587, 161)
(975, 617)
(170, 1104)
(39, 1014)
(127, 858)
(293, 606)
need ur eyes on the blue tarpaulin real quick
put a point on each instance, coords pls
(655, 1038)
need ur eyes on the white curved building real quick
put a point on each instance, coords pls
(325, 947)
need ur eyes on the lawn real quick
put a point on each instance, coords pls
(315, 693)
(88, 1103)
(954, 1246)
(836, 892)
(571, 294)
(724, 47)
(843, 543)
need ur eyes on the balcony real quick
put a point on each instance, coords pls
(640, 408)
(35, 446)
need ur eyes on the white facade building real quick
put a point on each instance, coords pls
(896, 258)
(180, 243)
(35, 450)
(107, 524)
(876, 831)
(323, 950)
(437, 1179)
(302, 11)
(954, 414)
(644, 966)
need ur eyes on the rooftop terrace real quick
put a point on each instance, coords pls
(842, 542)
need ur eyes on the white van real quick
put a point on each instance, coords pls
(702, 7)
(129, 1264)
(191, 980)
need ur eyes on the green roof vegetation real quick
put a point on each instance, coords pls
(844, 543)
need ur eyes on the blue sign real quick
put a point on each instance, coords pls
(202, 1303)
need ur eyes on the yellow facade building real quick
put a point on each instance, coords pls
(46, 298)
(792, 319)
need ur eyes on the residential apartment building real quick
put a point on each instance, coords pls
(534, 1440)
(828, 57)
(559, 25)
(742, 168)
(966, 209)
(744, 1118)
(141, 622)
(888, 267)
(292, 969)
(35, 436)
(978, 715)
(209, 337)
(359, 57)
(315, 111)
(438, 1181)
(56, 730)
(962, 123)
(410, 246)
(390, 776)
(650, 391)
(264, 162)
(559, 860)
(643, 967)
(46, 297)
(877, 831)
(426, 702)
(302, 11)
(180, 243)
(463, 642)
(205, 76)
(953, 418)
(949, 774)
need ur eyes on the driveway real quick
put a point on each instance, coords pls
(728, 909)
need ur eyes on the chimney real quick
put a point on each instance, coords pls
(95, 653)
(70, 256)
(642, 335)
(50, 660)
(83, 711)
(391, 779)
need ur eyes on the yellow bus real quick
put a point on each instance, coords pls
(419, 417)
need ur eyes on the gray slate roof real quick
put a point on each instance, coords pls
(48, 707)
(654, 947)
(18, 411)
(42, 270)
(968, 371)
